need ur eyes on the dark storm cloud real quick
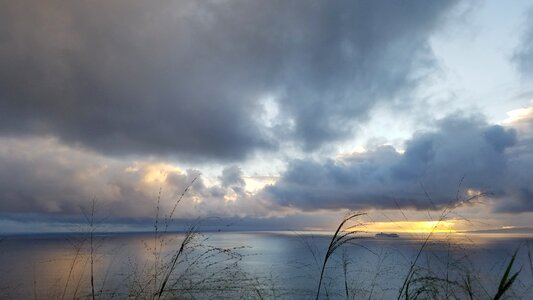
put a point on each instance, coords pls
(491, 158)
(523, 55)
(184, 77)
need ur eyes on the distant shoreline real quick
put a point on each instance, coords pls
(526, 231)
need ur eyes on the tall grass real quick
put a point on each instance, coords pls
(507, 279)
(456, 279)
(184, 265)
(341, 236)
(189, 266)
(409, 279)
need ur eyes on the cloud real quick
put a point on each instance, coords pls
(232, 176)
(58, 181)
(187, 78)
(491, 158)
(523, 56)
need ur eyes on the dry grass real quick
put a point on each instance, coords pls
(188, 266)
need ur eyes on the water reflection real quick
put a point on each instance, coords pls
(283, 264)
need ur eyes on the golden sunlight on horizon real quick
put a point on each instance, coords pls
(413, 227)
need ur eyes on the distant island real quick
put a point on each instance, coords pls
(386, 235)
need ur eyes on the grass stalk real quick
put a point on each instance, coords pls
(340, 237)
(507, 281)
(446, 211)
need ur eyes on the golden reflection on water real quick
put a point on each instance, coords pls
(64, 272)
(61, 268)
(42, 266)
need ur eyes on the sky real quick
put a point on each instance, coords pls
(287, 113)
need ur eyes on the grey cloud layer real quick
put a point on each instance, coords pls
(491, 158)
(184, 77)
(60, 180)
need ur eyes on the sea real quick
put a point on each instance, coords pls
(262, 265)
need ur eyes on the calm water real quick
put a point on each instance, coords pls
(274, 264)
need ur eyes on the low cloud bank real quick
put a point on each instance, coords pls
(61, 180)
(491, 158)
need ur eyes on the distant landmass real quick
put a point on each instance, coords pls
(512, 230)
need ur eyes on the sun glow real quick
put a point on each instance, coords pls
(518, 115)
(256, 183)
(413, 226)
(154, 173)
